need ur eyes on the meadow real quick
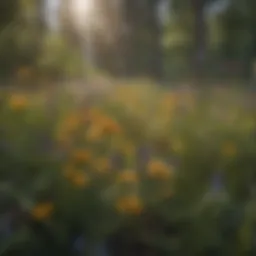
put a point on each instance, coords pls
(143, 170)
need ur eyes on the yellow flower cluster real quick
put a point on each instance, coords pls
(67, 128)
(89, 137)
(42, 211)
(79, 178)
(129, 205)
(102, 165)
(81, 156)
(159, 170)
(92, 124)
(18, 102)
(128, 176)
(100, 127)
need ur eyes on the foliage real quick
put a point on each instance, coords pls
(170, 172)
(58, 59)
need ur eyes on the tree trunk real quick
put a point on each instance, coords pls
(143, 39)
(107, 39)
(19, 20)
(133, 46)
(200, 39)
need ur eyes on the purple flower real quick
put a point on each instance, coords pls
(79, 244)
(117, 160)
(217, 183)
(143, 155)
(101, 250)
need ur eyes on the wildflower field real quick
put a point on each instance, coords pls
(141, 171)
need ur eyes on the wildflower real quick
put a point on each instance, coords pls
(102, 165)
(18, 102)
(66, 130)
(94, 133)
(81, 156)
(159, 170)
(80, 179)
(69, 171)
(77, 177)
(94, 114)
(129, 205)
(71, 122)
(229, 149)
(128, 148)
(110, 126)
(127, 176)
(42, 211)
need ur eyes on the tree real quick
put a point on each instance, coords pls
(126, 36)
(239, 34)
(21, 27)
(200, 40)
(200, 30)
(143, 40)
(9, 10)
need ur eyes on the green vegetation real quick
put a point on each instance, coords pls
(171, 171)
(94, 161)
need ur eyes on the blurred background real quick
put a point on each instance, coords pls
(164, 40)
(127, 127)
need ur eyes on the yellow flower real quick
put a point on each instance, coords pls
(128, 148)
(110, 126)
(94, 114)
(80, 179)
(229, 149)
(127, 176)
(66, 129)
(81, 156)
(77, 177)
(69, 171)
(42, 211)
(159, 170)
(71, 122)
(102, 165)
(18, 102)
(94, 133)
(129, 205)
